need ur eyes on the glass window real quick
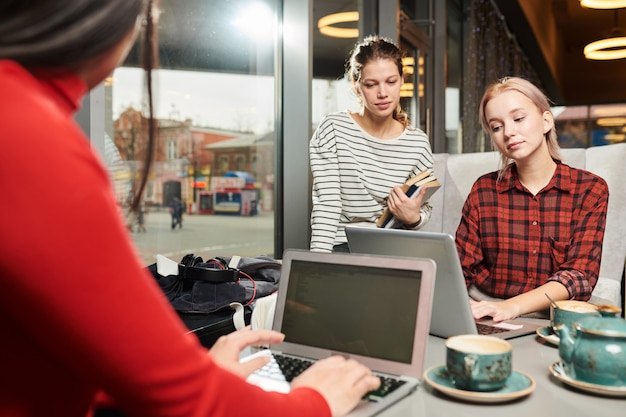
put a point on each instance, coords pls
(214, 102)
(454, 75)
(335, 31)
(586, 126)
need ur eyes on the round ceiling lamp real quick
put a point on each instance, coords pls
(611, 121)
(612, 47)
(606, 49)
(326, 25)
(614, 137)
(603, 4)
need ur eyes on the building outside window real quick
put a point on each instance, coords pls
(214, 103)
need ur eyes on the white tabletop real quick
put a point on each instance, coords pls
(531, 356)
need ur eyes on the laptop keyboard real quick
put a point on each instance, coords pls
(485, 329)
(291, 367)
(287, 368)
(387, 386)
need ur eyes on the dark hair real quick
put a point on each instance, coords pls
(43, 33)
(65, 34)
(372, 48)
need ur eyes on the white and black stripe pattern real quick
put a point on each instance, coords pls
(353, 173)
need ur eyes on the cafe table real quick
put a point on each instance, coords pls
(532, 356)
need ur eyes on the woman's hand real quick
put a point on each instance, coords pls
(227, 349)
(497, 310)
(528, 302)
(342, 382)
(405, 209)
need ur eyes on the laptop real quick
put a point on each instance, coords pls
(372, 308)
(451, 313)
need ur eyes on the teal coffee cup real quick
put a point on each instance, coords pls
(568, 312)
(478, 363)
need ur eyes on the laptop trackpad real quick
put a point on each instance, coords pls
(506, 325)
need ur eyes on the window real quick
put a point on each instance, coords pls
(586, 126)
(214, 102)
(171, 150)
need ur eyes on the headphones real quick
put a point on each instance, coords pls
(189, 269)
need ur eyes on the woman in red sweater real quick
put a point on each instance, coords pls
(82, 328)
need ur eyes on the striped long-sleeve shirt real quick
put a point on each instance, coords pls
(353, 173)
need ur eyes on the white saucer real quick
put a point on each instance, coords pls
(518, 385)
(557, 370)
(547, 334)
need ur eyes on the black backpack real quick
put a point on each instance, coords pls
(206, 287)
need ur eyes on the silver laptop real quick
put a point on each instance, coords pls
(451, 313)
(375, 309)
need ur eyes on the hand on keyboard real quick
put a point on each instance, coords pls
(227, 349)
(342, 382)
(387, 386)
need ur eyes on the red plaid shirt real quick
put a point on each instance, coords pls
(511, 242)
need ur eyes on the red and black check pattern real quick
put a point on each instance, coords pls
(510, 241)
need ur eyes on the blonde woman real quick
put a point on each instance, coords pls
(535, 226)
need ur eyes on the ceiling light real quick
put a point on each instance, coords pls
(614, 137)
(406, 90)
(325, 25)
(606, 49)
(603, 4)
(611, 121)
(407, 65)
(612, 47)
(608, 110)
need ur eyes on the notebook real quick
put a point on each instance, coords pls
(375, 309)
(451, 313)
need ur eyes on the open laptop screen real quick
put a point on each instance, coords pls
(363, 310)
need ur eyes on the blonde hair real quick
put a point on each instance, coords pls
(534, 94)
(369, 49)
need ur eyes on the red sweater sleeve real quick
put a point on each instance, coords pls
(79, 310)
